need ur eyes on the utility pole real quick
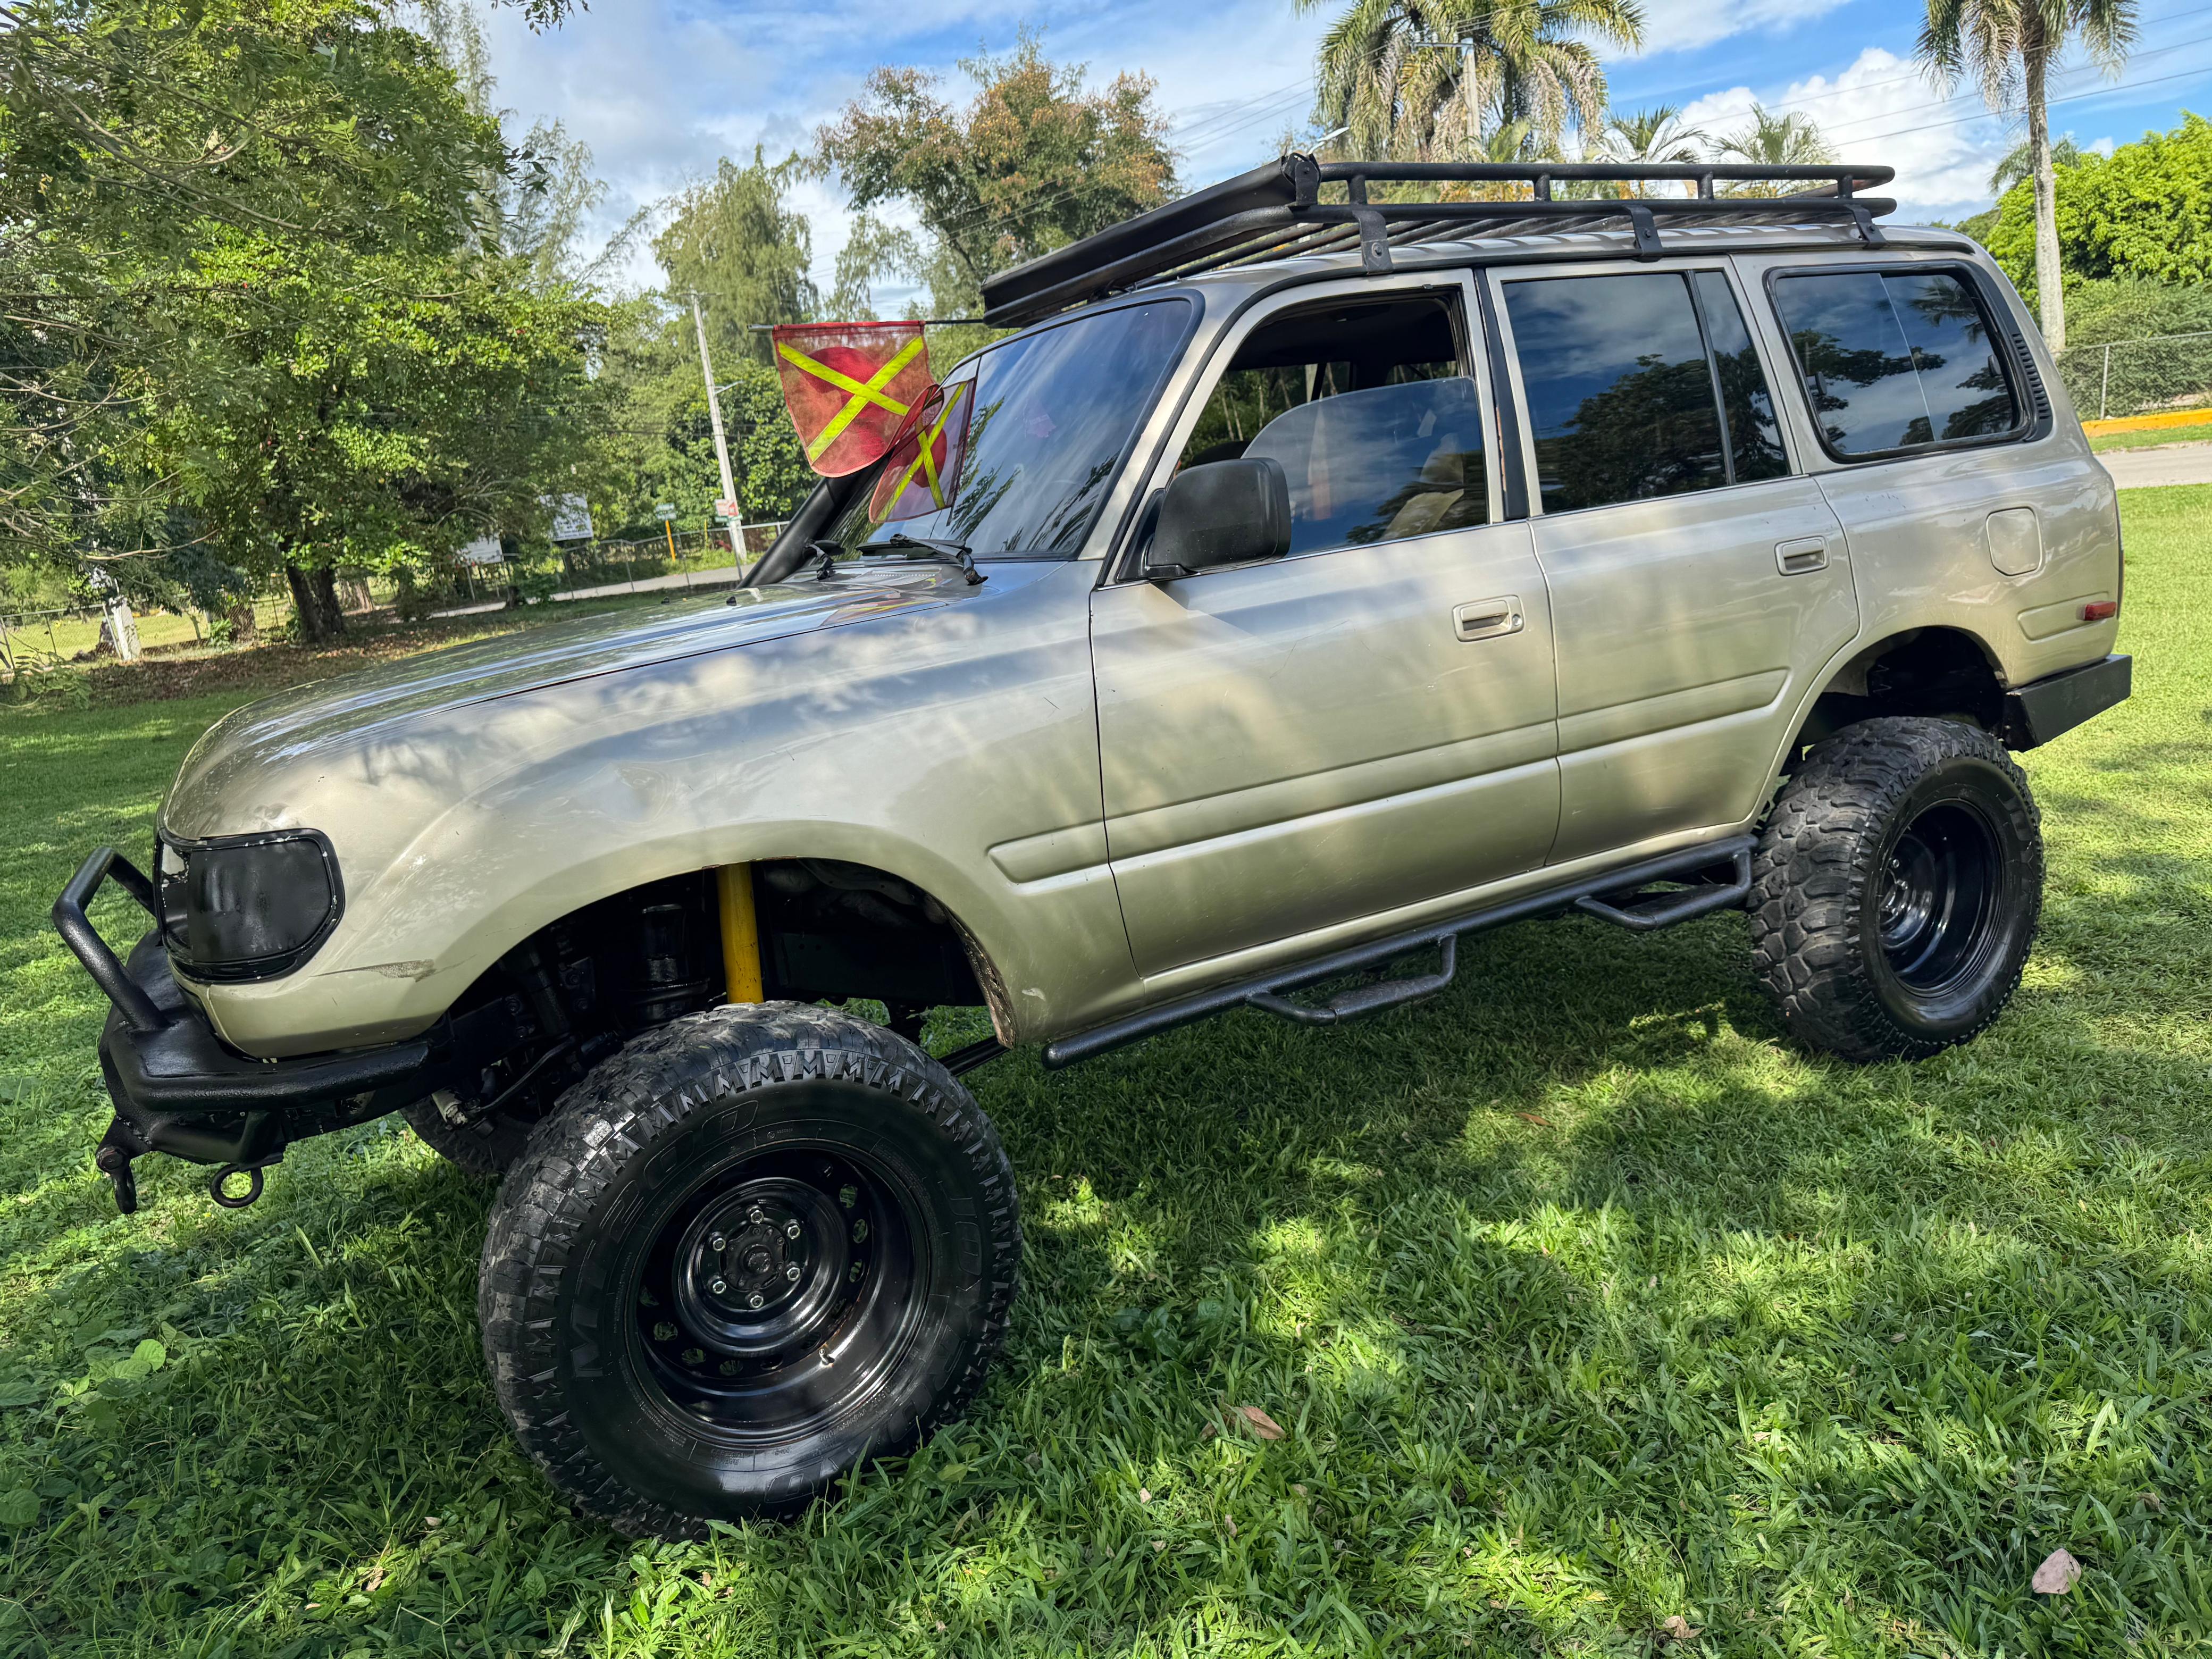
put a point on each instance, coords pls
(714, 414)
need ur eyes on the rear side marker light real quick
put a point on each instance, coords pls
(2100, 611)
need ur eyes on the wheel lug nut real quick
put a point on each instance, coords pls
(755, 1300)
(718, 1243)
(791, 1229)
(718, 1286)
(754, 1214)
(791, 1272)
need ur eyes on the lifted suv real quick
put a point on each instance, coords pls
(1326, 579)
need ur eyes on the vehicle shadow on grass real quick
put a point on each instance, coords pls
(1667, 1316)
(1583, 1301)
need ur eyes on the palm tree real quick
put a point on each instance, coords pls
(1429, 79)
(2008, 47)
(1774, 141)
(2018, 163)
(1644, 138)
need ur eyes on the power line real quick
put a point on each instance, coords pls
(2198, 73)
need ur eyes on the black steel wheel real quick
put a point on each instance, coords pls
(758, 1245)
(1898, 888)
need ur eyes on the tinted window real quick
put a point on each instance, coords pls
(1376, 466)
(1895, 359)
(1754, 433)
(1619, 394)
(1053, 412)
(1368, 406)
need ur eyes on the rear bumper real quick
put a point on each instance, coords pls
(2041, 709)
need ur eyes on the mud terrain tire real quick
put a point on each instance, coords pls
(1897, 888)
(758, 1245)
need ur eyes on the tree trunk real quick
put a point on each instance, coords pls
(315, 602)
(326, 581)
(2050, 282)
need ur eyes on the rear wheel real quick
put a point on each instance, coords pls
(761, 1243)
(1898, 888)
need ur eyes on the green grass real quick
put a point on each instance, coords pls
(1586, 1300)
(2156, 438)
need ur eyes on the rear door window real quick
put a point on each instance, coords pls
(1640, 385)
(1896, 359)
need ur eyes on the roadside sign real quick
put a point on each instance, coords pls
(727, 509)
(666, 509)
(572, 517)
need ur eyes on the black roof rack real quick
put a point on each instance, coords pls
(1275, 212)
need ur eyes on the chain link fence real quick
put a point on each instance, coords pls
(2150, 376)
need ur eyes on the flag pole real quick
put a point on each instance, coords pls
(714, 414)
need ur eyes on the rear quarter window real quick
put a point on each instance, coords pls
(1895, 361)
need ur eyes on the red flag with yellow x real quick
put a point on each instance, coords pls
(924, 471)
(850, 388)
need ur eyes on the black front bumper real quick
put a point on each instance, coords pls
(178, 1088)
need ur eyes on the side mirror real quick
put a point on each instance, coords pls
(1223, 512)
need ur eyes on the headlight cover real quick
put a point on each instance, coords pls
(246, 907)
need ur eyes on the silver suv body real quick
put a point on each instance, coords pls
(1318, 613)
(1126, 790)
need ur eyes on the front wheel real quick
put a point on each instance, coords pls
(1897, 888)
(760, 1244)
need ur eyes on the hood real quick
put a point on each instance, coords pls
(294, 725)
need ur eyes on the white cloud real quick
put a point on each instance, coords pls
(1686, 25)
(1882, 110)
(660, 89)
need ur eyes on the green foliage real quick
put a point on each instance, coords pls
(2145, 211)
(735, 242)
(1774, 140)
(290, 283)
(371, 410)
(1584, 1299)
(1034, 163)
(1528, 62)
(2145, 367)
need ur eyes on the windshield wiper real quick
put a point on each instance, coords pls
(933, 551)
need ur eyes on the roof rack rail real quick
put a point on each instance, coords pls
(1275, 212)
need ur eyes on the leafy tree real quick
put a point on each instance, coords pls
(2008, 47)
(1034, 161)
(1428, 79)
(255, 288)
(2145, 211)
(330, 410)
(735, 242)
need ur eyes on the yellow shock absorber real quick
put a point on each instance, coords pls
(741, 960)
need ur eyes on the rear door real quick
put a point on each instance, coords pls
(1967, 504)
(1699, 580)
(1294, 749)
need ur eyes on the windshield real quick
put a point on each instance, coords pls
(1054, 411)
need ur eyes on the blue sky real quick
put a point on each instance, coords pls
(660, 89)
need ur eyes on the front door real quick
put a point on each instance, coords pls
(1699, 581)
(1295, 748)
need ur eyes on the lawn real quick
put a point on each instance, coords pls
(2156, 438)
(1587, 1304)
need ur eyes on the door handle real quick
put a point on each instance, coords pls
(1807, 553)
(1488, 619)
